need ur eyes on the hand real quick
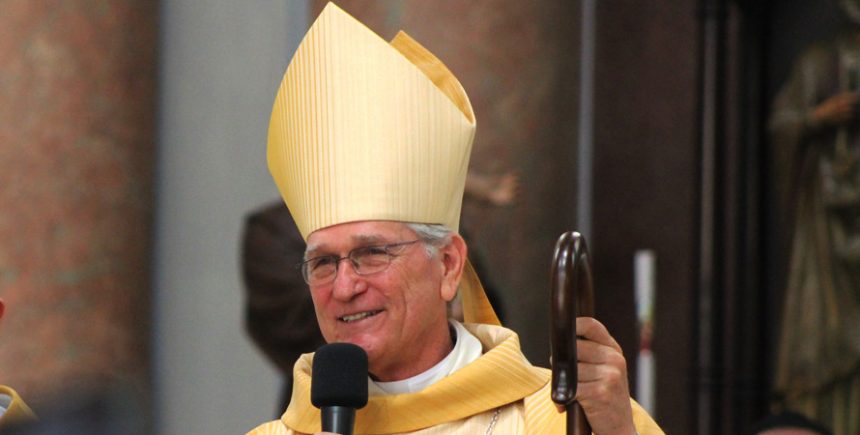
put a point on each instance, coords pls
(496, 190)
(836, 110)
(505, 190)
(602, 390)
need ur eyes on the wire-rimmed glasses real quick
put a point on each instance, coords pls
(365, 260)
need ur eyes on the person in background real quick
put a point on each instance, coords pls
(279, 315)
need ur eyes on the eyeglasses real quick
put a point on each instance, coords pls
(366, 260)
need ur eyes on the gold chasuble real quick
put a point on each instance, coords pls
(500, 389)
(17, 411)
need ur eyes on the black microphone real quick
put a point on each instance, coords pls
(339, 385)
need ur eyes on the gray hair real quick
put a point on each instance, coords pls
(434, 236)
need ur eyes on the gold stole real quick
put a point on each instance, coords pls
(500, 377)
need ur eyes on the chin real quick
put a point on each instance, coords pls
(370, 346)
(359, 341)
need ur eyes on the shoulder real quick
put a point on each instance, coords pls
(274, 427)
(16, 411)
(273, 219)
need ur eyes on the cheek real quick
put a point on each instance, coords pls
(421, 292)
(320, 300)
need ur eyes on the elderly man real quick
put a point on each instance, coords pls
(13, 410)
(369, 144)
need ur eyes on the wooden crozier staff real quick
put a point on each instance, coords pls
(572, 296)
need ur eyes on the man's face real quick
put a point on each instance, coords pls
(404, 305)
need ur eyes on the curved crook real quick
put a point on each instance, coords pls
(572, 296)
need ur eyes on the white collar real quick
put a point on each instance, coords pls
(467, 348)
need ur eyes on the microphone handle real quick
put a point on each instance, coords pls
(338, 419)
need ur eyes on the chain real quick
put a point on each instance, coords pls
(493, 421)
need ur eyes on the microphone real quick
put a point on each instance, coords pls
(339, 385)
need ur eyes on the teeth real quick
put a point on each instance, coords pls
(358, 316)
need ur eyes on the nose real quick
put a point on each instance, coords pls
(347, 283)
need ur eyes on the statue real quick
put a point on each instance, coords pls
(815, 136)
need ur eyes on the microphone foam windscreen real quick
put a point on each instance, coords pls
(339, 376)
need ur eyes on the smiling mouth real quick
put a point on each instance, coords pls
(358, 316)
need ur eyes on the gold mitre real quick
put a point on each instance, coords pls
(366, 130)
(362, 130)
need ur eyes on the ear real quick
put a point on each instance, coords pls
(453, 257)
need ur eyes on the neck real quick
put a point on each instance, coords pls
(432, 351)
(467, 349)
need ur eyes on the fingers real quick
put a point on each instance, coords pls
(837, 109)
(591, 353)
(599, 383)
(842, 102)
(505, 189)
(607, 407)
(843, 107)
(600, 359)
(602, 388)
(592, 330)
(603, 393)
(599, 363)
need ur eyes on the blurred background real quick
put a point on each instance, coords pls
(132, 146)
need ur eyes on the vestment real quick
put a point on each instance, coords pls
(16, 411)
(818, 166)
(466, 402)
(366, 132)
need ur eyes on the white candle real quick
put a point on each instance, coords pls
(645, 280)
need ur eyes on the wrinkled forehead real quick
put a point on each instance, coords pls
(351, 234)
